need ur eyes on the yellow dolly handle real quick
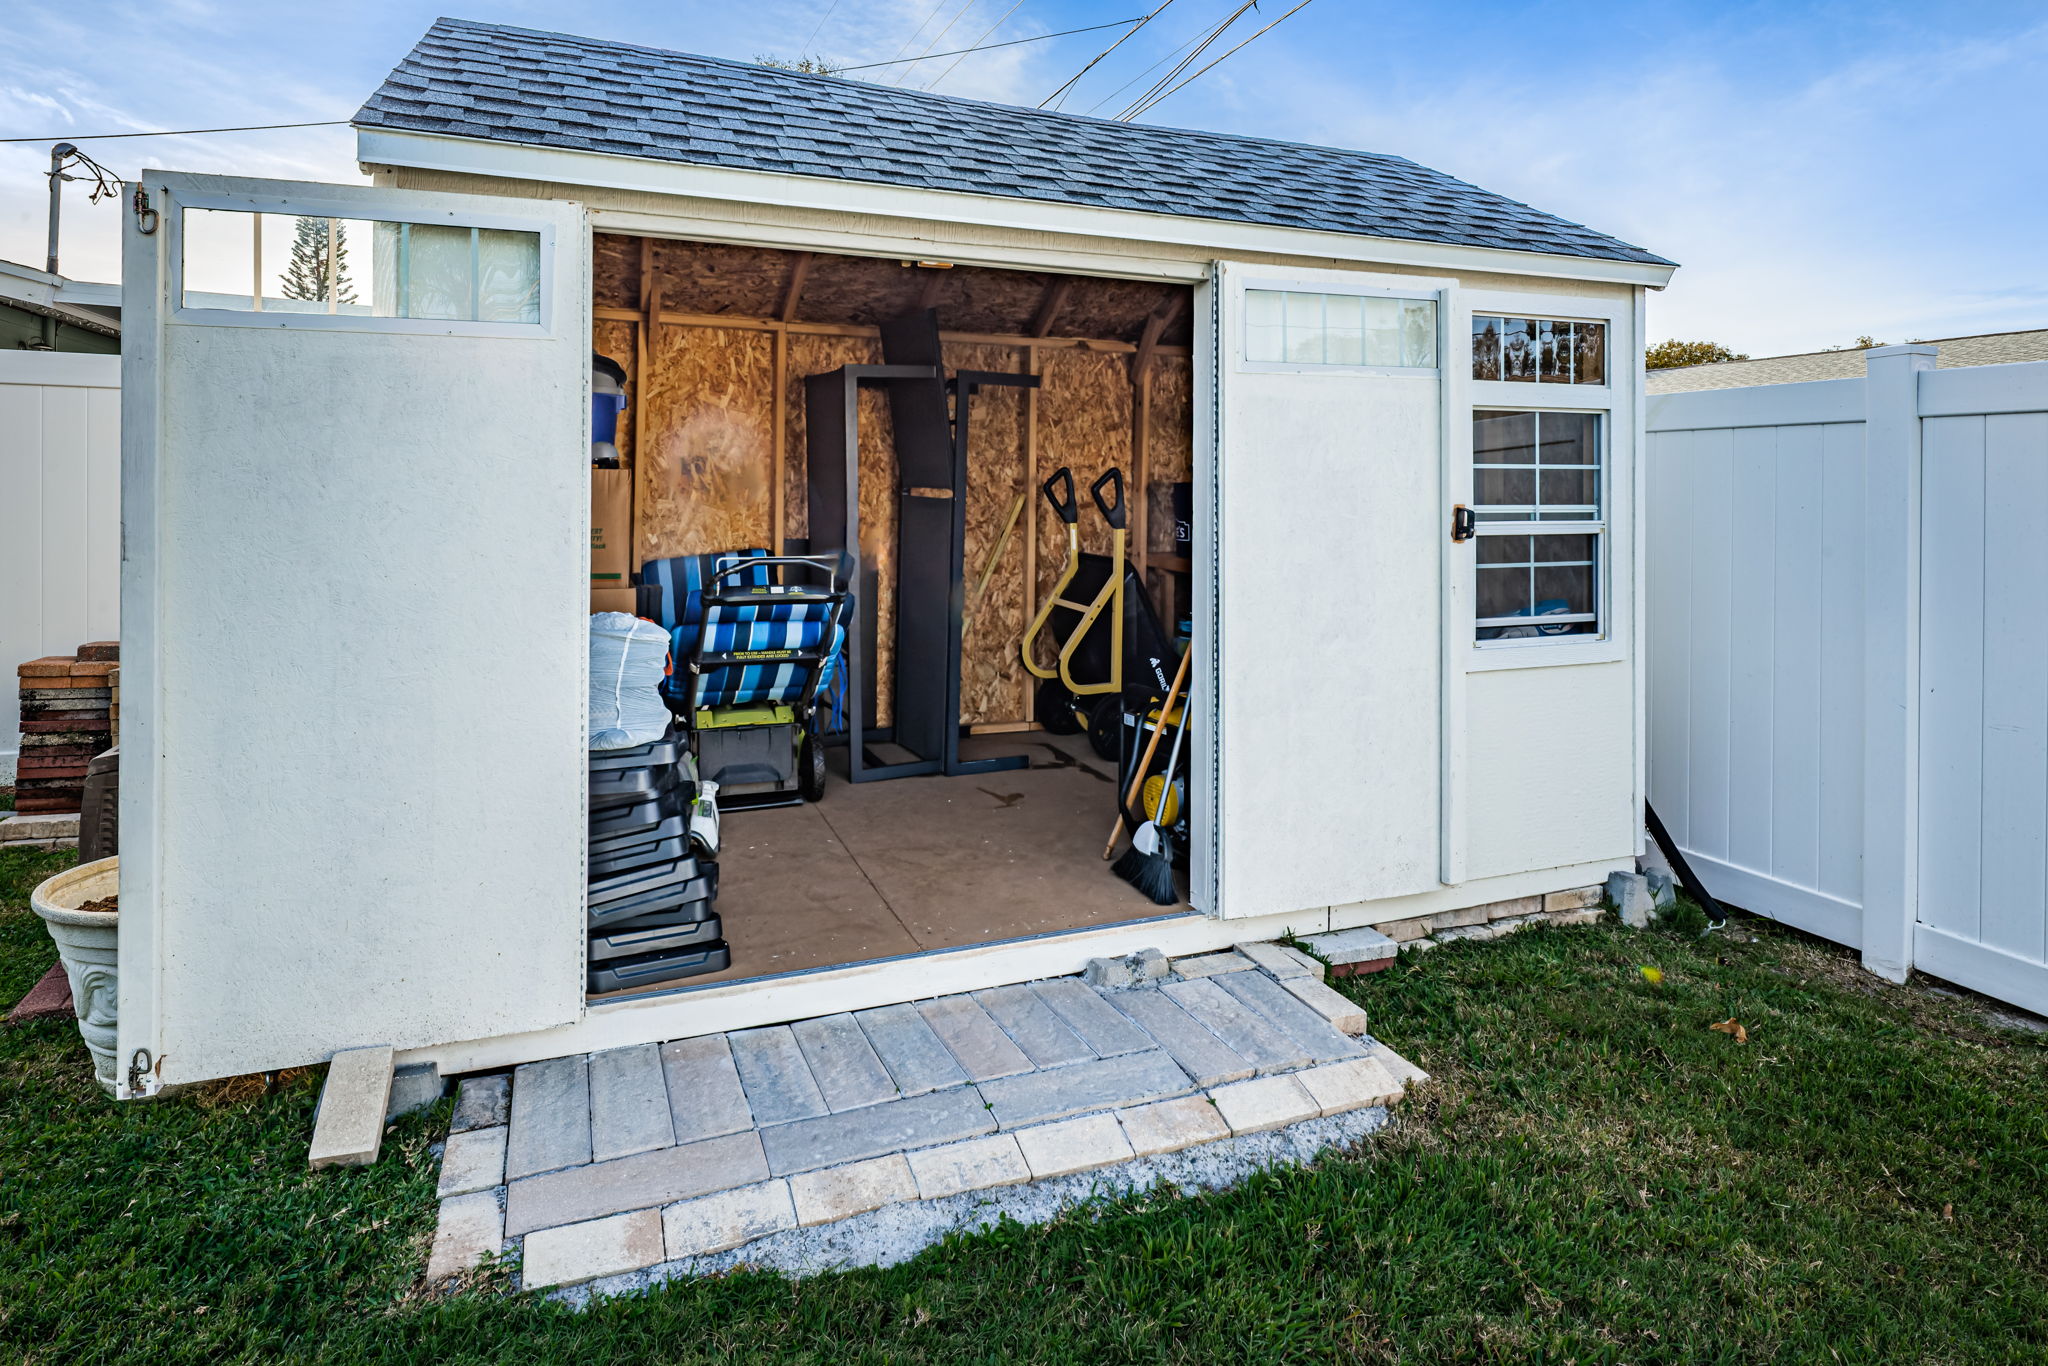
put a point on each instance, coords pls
(1109, 596)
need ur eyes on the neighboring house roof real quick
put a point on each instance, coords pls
(1993, 348)
(28, 295)
(473, 80)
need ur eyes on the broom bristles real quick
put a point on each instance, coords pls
(1150, 872)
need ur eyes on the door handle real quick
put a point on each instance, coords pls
(1462, 524)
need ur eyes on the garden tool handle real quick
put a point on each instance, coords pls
(1065, 507)
(1114, 515)
(1151, 747)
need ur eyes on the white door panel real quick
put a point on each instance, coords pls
(355, 618)
(1328, 493)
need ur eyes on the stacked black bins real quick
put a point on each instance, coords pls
(650, 903)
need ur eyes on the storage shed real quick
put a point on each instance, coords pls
(1377, 430)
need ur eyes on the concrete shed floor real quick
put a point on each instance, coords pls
(882, 870)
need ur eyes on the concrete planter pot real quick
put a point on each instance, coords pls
(85, 945)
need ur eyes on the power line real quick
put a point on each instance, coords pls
(934, 56)
(933, 84)
(1060, 94)
(1178, 49)
(181, 132)
(820, 27)
(1219, 61)
(1132, 109)
(940, 36)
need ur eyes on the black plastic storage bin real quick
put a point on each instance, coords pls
(654, 969)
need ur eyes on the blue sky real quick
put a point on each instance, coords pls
(1820, 170)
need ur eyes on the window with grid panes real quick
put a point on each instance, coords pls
(1538, 504)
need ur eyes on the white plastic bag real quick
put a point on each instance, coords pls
(628, 660)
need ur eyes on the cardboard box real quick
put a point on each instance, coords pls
(613, 600)
(611, 529)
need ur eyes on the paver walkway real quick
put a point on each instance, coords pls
(600, 1164)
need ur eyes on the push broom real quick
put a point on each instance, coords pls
(1148, 863)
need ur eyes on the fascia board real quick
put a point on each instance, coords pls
(519, 161)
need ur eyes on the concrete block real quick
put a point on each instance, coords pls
(837, 1192)
(550, 1116)
(1454, 933)
(1090, 1016)
(628, 1103)
(348, 1131)
(912, 1122)
(1398, 1067)
(1417, 945)
(917, 1061)
(1109, 974)
(976, 1042)
(482, 1102)
(1073, 1145)
(1322, 1041)
(778, 1081)
(1575, 899)
(583, 1252)
(1130, 1079)
(1344, 1015)
(1042, 1035)
(1250, 1107)
(1353, 949)
(470, 1228)
(843, 1063)
(14, 828)
(978, 1164)
(1186, 1040)
(1230, 960)
(1167, 1126)
(705, 1098)
(1589, 916)
(1629, 894)
(1404, 931)
(1248, 1033)
(1521, 905)
(713, 1223)
(1150, 965)
(1458, 919)
(1281, 961)
(642, 1181)
(1350, 1085)
(473, 1160)
(1663, 890)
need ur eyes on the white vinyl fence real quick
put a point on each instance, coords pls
(1848, 657)
(60, 514)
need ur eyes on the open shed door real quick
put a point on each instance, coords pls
(355, 507)
(1327, 512)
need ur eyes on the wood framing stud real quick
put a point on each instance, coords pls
(1049, 307)
(799, 267)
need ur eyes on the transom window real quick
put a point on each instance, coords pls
(1538, 350)
(355, 267)
(1535, 470)
(1288, 327)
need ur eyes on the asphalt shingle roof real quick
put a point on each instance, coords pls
(466, 79)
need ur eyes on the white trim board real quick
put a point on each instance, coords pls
(777, 1000)
(472, 156)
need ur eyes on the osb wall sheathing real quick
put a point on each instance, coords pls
(1084, 423)
(991, 676)
(709, 460)
(1170, 444)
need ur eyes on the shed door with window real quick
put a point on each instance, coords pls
(356, 545)
(1328, 521)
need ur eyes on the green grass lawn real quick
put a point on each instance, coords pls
(1594, 1176)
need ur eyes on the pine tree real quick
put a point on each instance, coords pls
(306, 276)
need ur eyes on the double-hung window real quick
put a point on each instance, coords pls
(1539, 504)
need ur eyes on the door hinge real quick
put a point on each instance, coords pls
(1462, 524)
